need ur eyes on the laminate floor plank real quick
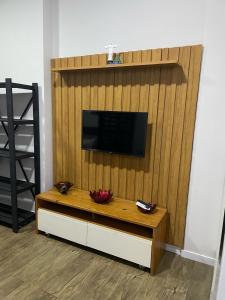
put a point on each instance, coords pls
(52, 277)
(33, 267)
(29, 291)
(9, 285)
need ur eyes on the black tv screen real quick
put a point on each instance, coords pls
(114, 132)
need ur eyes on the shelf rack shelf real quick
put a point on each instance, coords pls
(24, 217)
(21, 186)
(4, 153)
(11, 215)
(119, 66)
(18, 121)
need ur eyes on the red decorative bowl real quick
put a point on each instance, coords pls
(101, 196)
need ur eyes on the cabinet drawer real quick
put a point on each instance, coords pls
(127, 246)
(69, 228)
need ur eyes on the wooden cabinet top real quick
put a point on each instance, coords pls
(121, 209)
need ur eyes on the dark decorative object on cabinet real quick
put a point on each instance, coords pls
(63, 186)
(147, 208)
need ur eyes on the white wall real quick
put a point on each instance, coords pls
(208, 165)
(85, 27)
(50, 49)
(21, 51)
(29, 38)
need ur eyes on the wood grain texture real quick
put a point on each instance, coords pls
(57, 121)
(85, 104)
(158, 245)
(93, 106)
(168, 92)
(118, 214)
(54, 96)
(77, 127)
(125, 65)
(118, 208)
(37, 267)
(71, 120)
(187, 141)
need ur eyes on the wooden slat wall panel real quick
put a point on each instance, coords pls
(175, 156)
(57, 119)
(152, 118)
(101, 106)
(187, 142)
(77, 126)
(72, 121)
(117, 106)
(159, 129)
(167, 130)
(134, 106)
(85, 103)
(65, 123)
(54, 76)
(126, 100)
(168, 94)
(94, 106)
(145, 75)
(109, 97)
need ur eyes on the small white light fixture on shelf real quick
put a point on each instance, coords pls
(110, 48)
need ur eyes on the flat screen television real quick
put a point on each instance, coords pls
(114, 132)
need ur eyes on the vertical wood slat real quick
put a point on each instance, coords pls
(58, 124)
(126, 97)
(154, 94)
(170, 99)
(109, 97)
(145, 75)
(54, 76)
(65, 123)
(173, 183)
(167, 130)
(134, 106)
(152, 117)
(101, 106)
(187, 142)
(77, 127)
(71, 120)
(116, 106)
(93, 106)
(159, 129)
(85, 102)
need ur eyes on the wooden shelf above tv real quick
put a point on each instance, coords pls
(118, 66)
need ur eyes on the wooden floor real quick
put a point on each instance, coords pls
(34, 267)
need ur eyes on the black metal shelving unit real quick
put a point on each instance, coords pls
(11, 215)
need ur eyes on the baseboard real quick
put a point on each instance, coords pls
(173, 249)
(191, 255)
(198, 257)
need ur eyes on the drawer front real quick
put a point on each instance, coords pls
(62, 226)
(120, 244)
